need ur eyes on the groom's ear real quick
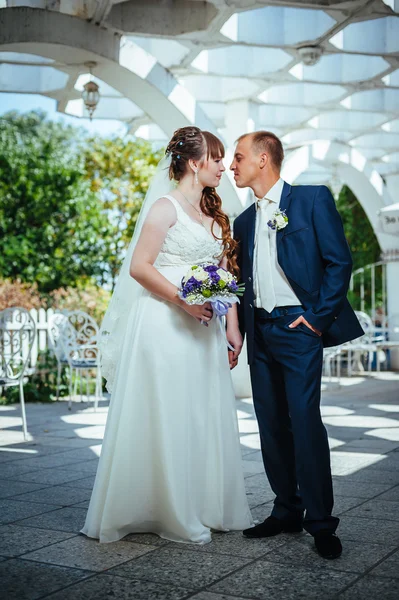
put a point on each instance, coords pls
(263, 160)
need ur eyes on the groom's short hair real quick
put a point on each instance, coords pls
(266, 141)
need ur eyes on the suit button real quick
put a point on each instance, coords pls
(250, 306)
(249, 279)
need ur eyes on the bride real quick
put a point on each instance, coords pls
(170, 461)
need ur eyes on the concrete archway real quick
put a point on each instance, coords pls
(71, 42)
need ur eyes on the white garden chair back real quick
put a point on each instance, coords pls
(56, 325)
(79, 342)
(85, 326)
(17, 336)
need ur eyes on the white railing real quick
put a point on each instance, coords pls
(358, 279)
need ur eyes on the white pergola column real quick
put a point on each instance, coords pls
(393, 308)
(239, 119)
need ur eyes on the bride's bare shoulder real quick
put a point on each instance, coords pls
(164, 210)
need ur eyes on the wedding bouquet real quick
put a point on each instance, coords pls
(209, 283)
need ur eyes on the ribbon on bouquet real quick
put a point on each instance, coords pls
(221, 309)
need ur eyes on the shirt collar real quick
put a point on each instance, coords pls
(274, 194)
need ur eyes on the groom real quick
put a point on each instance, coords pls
(296, 265)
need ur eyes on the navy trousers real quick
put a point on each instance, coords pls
(286, 382)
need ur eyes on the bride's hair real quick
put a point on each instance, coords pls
(192, 143)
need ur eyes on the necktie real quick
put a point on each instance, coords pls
(264, 269)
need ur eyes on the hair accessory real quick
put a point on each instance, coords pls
(180, 144)
(178, 156)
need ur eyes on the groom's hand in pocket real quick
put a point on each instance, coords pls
(300, 319)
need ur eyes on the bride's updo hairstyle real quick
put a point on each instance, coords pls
(192, 143)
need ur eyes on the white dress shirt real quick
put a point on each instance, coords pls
(283, 292)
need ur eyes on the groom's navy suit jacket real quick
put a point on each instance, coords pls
(313, 253)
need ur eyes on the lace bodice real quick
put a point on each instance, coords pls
(188, 242)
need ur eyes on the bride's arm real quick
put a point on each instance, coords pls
(160, 218)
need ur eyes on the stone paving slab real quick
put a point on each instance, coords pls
(211, 596)
(104, 587)
(48, 476)
(356, 557)
(367, 530)
(83, 553)
(377, 509)
(264, 579)
(372, 588)
(389, 567)
(16, 540)
(10, 489)
(392, 494)
(60, 495)
(181, 567)
(13, 510)
(68, 519)
(25, 580)
(234, 544)
(47, 484)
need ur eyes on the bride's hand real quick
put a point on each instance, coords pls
(201, 312)
(234, 338)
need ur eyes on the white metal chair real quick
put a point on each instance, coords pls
(79, 334)
(17, 336)
(365, 345)
(331, 357)
(55, 326)
(384, 344)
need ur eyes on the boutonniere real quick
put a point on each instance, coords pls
(279, 220)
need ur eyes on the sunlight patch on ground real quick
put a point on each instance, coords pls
(9, 422)
(250, 441)
(351, 381)
(348, 463)
(391, 435)
(91, 418)
(243, 415)
(95, 432)
(96, 449)
(359, 421)
(386, 407)
(19, 450)
(246, 400)
(334, 443)
(335, 411)
(248, 426)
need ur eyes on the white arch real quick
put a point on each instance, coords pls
(70, 42)
(352, 168)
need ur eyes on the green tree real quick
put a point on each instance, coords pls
(120, 171)
(51, 222)
(362, 242)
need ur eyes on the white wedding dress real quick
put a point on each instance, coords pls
(171, 461)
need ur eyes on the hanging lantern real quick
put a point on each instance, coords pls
(91, 94)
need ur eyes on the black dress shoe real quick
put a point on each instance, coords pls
(273, 526)
(328, 544)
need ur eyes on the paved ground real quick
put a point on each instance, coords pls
(46, 483)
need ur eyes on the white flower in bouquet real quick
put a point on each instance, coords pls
(201, 275)
(224, 275)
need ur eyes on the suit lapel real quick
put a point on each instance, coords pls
(284, 205)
